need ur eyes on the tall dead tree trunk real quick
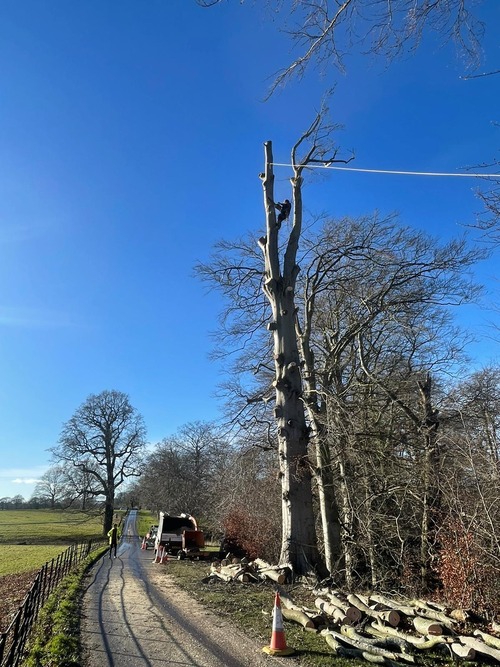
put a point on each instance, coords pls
(299, 544)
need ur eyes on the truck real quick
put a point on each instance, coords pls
(179, 536)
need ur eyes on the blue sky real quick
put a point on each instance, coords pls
(131, 140)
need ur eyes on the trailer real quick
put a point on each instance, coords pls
(179, 536)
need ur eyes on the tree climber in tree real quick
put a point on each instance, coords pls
(284, 208)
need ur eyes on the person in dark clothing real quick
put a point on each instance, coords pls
(113, 540)
(284, 208)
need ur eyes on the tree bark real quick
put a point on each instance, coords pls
(481, 647)
(494, 642)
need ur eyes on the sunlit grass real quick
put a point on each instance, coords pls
(145, 520)
(48, 526)
(23, 558)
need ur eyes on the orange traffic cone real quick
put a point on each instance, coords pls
(278, 644)
(143, 545)
(164, 557)
(159, 555)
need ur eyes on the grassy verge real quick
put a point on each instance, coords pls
(56, 639)
(144, 522)
(249, 607)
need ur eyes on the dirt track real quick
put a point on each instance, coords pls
(134, 616)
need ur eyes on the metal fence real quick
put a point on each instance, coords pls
(13, 640)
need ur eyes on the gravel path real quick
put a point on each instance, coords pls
(135, 616)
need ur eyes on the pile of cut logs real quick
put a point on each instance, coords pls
(383, 629)
(236, 569)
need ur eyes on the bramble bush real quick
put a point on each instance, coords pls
(469, 577)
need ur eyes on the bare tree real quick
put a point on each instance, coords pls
(324, 31)
(182, 470)
(104, 439)
(53, 486)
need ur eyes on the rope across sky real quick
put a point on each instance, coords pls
(388, 171)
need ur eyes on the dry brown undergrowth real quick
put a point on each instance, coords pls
(13, 590)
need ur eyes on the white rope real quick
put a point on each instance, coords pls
(388, 171)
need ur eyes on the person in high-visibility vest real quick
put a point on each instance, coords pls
(113, 540)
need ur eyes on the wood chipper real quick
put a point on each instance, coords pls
(179, 536)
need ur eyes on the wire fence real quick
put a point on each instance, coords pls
(13, 640)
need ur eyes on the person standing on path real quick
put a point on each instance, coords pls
(113, 540)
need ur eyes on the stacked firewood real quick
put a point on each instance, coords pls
(378, 628)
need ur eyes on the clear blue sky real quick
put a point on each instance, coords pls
(131, 140)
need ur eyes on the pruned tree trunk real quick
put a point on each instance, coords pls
(299, 545)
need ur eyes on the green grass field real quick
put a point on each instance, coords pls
(30, 538)
(48, 527)
(15, 559)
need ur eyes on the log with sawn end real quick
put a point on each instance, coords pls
(428, 612)
(267, 571)
(462, 652)
(237, 572)
(426, 626)
(398, 605)
(392, 617)
(330, 609)
(351, 611)
(299, 617)
(421, 643)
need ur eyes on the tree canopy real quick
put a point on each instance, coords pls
(104, 440)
